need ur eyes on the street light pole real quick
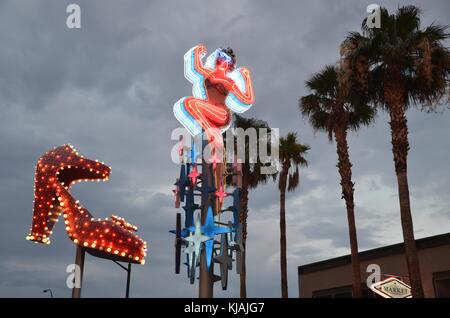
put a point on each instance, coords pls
(128, 270)
(48, 290)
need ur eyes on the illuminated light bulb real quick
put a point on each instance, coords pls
(123, 254)
(85, 243)
(108, 249)
(116, 252)
(143, 262)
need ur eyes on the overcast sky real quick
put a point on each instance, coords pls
(109, 88)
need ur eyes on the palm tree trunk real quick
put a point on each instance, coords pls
(244, 214)
(395, 98)
(283, 257)
(345, 170)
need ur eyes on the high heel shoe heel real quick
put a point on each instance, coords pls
(56, 171)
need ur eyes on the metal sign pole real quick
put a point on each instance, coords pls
(79, 262)
(127, 295)
(206, 283)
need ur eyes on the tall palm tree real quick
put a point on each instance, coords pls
(331, 109)
(291, 154)
(251, 178)
(407, 65)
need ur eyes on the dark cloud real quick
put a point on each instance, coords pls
(109, 89)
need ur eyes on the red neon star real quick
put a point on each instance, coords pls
(221, 194)
(193, 175)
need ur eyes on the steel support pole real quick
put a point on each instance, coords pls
(206, 283)
(79, 266)
(127, 294)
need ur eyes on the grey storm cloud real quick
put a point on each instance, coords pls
(109, 89)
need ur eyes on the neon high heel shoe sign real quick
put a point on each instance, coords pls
(111, 238)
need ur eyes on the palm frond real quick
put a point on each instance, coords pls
(292, 154)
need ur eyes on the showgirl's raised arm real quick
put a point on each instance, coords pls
(240, 97)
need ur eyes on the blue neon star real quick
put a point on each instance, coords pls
(197, 238)
(210, 229)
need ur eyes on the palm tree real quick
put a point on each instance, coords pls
(332, 110)
(291, 154)
(251, 178)
(407, 65)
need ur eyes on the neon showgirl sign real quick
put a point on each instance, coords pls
(218, 88)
